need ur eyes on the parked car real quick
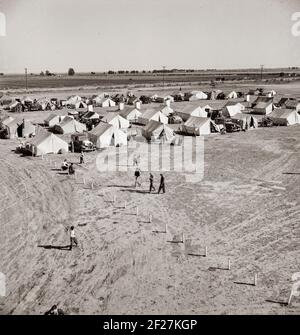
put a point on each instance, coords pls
(232, 127)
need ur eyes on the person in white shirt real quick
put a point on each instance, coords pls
(73, 239)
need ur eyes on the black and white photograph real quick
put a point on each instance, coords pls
(149, 159)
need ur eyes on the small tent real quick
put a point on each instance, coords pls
(156, 131)
(152, 114)
(197, 126)
(197, 95)
(46, 143)
(232, 95)
(105, 135)
(106, 102)
(284, 117)
(16, 107)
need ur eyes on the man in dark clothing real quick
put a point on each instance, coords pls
(71, 169)
(162, 184)
(151, 179)
(81, 159)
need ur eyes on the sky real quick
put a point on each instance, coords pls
(102, 35)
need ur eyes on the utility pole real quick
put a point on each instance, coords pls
(164, 77)
(261, 72)
(26, 78)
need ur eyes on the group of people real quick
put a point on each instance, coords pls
(70, 166)
(162, 186)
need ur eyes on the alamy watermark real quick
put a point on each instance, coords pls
(2, 285)
(2, 24)
(186, 158)
(296, 26)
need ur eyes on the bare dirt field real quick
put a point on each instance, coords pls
(246, 208)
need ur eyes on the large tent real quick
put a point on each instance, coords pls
(105, 135)
(156, 131)
(131, 114)
(197, 126)
(246, 121)
(152, 114)
(73, 100)
(191, 110)
(263, 108)
(69, 126)
(52, 120)
(231, 110)
(284, 117)
(167, 110)
(46, 143)
(116, 120)
(12, 128)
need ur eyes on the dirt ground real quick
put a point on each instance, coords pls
(245, 209)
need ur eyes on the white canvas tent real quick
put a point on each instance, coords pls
(131, 114)
(69, 126)
(197, 126)
(198, 95)
(167, 110)
(284, 117)
(105, 135)
(246, 121)
(231, 110)
(232, 95)
(52, 120)
(46, 143)
(116, 120)
(156, 131)
(152, 114)
(191, 110)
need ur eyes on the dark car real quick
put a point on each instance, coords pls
(266, 122)
(232, 127)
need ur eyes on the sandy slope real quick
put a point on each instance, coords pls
(245, 209)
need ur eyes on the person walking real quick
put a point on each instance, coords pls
(162, 184)
(137, 175)
(81, 158)
(73, 239)
(151, 180)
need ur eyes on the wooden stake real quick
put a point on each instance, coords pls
(205, 251)
(290, 297)
(125, 204)
(166, 228)
(150, 218)
(114, 199)
(83, 181)
(137, 211)
(92, 185)
(182, 238)
(255, 279)
(229, 265)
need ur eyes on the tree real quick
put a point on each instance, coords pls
(42, 73)
(71, 72)
(47, 73)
